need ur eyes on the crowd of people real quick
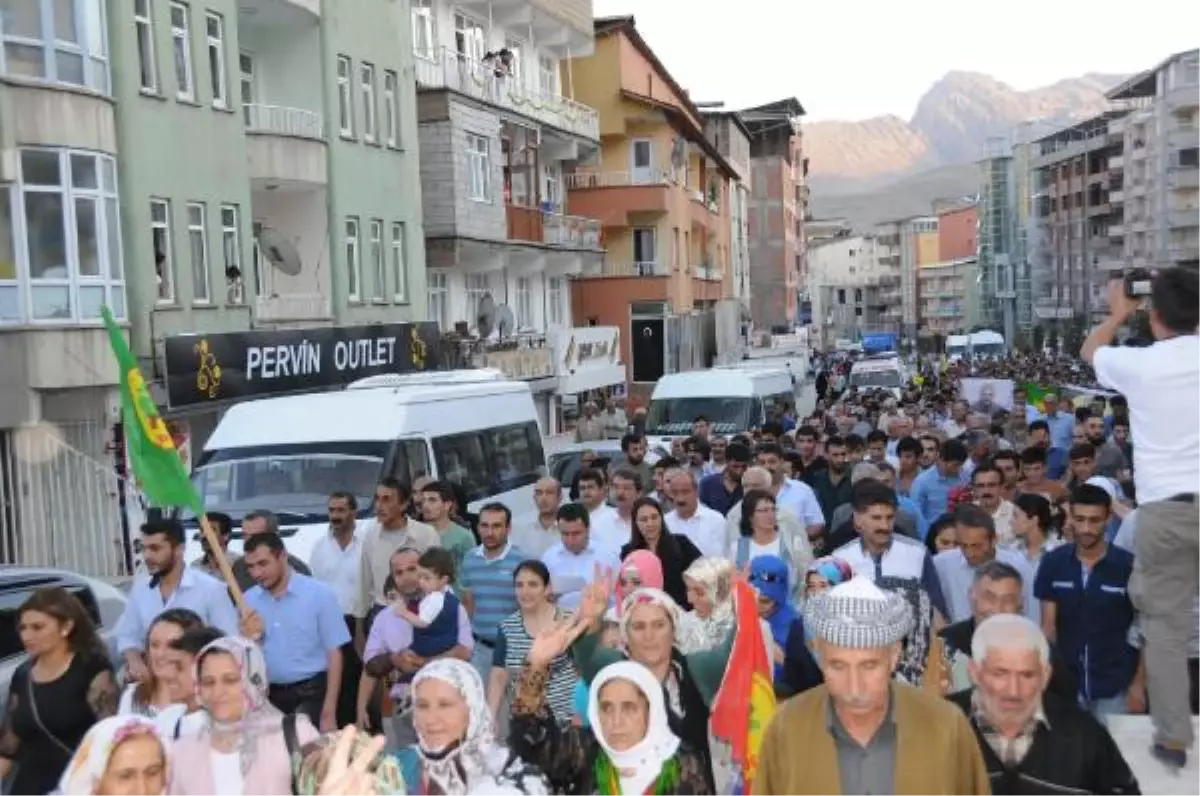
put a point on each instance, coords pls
(947, 601)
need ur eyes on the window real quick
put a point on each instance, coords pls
(391, 108)
(478, 286)
(164, 262)
(378, 274)
(353, 270)
(554, 301)
(198, 249)
(246, 69)
(345, 96)
(70, 254)
(514, 66)
(439, 299)
(492, 461)
(469, 40)
(524, 303)
(215, 29)
(551, 187)
(422, 27)
(182, 44)
(366, 74)
(479, 164)
(400, 262)
(231, 248)
(143, 22)
(548, 75)
(60, 41)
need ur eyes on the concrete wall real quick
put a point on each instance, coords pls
(445, 173)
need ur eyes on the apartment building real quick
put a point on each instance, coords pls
(1158, 170)
(949, 299)
(779, 201)
(225, 176)
(852, 287)
(1077, 240)
(662, 194)
(726, 131)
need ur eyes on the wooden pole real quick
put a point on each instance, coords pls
(218, 555)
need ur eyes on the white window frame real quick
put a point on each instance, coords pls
(202, 268)
(554, 301)
(479, 168)
(423, 23)
(90, 46)
(168, 278)
(366, 79)
(231, 251)
(378, 264)
(216, 57)
(548, 76)
(181, 37)
(345, 85)
(352, 233)
(517, 48)
(474, 39)
(478, 285)
(399, 262)
(247, 83)
(391, 107)
(524, 308)
(438, 291)
(103, 200)
(143, 23)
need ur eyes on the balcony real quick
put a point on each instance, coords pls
(1183, 97)
(610, 196)
(626, 269)
(1184, 219)
(272, 12)
(290, 308)
(1116, 197)
(445, 68)
(1116, 163)
(707, 271)
(552, 229)
(1182, 177)
(1180, 253)
(285, 145)
(1185, 136)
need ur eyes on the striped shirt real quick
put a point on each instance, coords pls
(512, 648)
(490, 583)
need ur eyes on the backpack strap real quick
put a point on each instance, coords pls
(292, 741)
(178, 728)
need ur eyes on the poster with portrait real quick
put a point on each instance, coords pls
(987, 396)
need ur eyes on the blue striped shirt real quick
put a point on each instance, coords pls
(490, 582)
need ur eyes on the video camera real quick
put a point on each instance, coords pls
(1138, 282)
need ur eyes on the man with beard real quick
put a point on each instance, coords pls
(633, 447)
(720, 491)
(832, 484)
(1086, 610)
(861, 731)
(172, 584)
(1110, 461)
(1033, 740)
(810, 462)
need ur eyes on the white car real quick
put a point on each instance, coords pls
(563, 465)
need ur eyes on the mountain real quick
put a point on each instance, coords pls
(953, 120)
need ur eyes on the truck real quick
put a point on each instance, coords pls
(984, 343)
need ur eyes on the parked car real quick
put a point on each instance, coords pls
(563, 465)
(104, 602)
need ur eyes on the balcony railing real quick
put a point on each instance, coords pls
(608, 268)
(446, 68)
(294, 307)
(1185, 218)
(706, 271)
(282, 120)
(554, 229)
(584, 180)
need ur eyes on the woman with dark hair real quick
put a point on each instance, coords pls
(675, 551)
(941, 535)
(760, 536)
(1033, 525)
(64, 688)
(154, 697)
(535, 613)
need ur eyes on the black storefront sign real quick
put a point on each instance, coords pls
(213, 368)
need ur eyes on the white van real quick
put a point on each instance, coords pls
(288, 454)
(881, 372)
(732, 399)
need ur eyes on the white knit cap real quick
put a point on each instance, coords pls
(859, 615)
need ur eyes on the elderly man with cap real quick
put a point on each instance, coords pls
(863, 732)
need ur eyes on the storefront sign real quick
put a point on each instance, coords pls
(207, 368)
(521, 364)
(589, 358)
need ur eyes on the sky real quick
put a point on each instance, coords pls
(854, 60)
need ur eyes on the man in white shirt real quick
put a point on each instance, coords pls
(540, 535)
(574, 560)
(335, 561)
(614, 529)
(796, 496)
(987, 483)
(1160, 384)
(975, 534)
(690, 517)
(593, 496)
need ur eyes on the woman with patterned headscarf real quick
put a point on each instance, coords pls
(120, 754)
(709, 583)
(245, 746)
(457, 752)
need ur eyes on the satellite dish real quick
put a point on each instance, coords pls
(485, 320)
(505, 321)
(279, 251)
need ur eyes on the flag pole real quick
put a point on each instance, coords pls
(218, 555)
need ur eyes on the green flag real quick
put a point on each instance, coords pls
(152, 455)
(1035, 395)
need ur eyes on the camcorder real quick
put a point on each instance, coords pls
(1138, 282)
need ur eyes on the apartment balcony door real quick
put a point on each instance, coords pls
(641, 169)
(645, 250)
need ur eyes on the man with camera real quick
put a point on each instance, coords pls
(1161, 383)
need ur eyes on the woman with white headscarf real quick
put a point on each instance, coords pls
(120, 754)
(457, 753)
(628, 747)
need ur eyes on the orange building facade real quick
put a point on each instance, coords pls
(661, 192)
(958, 233)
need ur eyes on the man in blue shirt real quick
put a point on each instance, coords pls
(931, 489)
(298, 622)
(172, 584)
(1087, 612)
(487, 581)
(1056, 457)
(722, 491)
(1060, 420)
